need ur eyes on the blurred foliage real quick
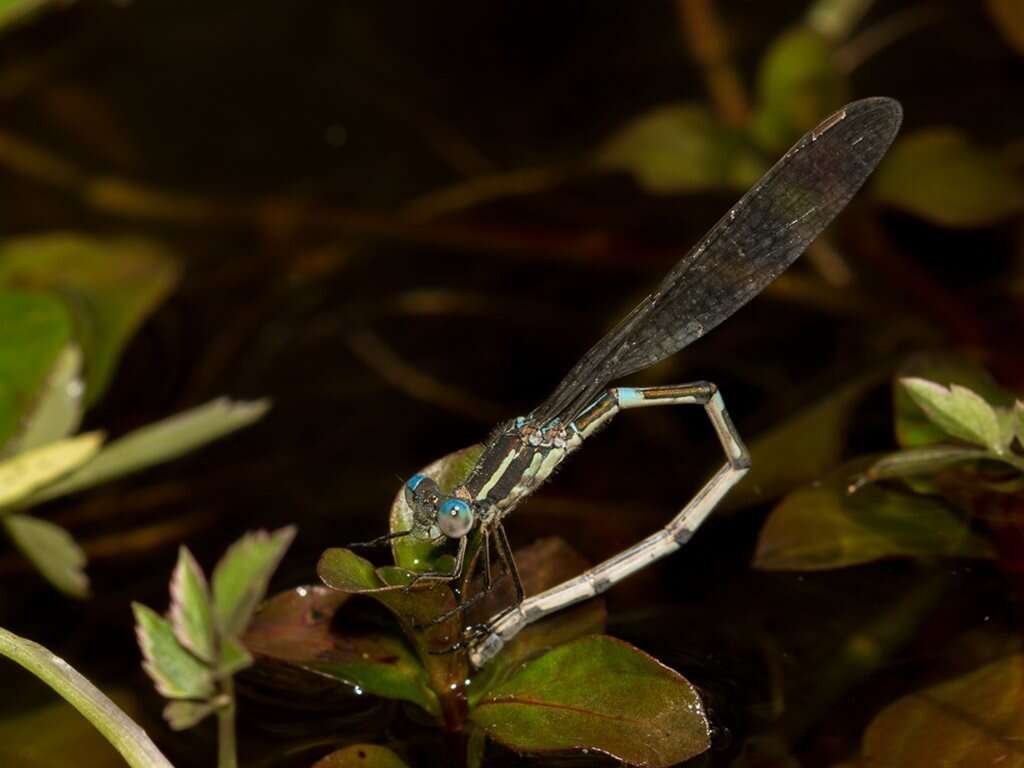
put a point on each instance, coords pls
(958, 438)
(941, 176)
(968, 722)
(108, 286)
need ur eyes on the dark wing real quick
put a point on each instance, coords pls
(747, 249)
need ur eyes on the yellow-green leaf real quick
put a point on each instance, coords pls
(175, 672)
(191, 613)
(939, 175)
(159, 442)
(913, 427)
(28, 471)
(241, 577)
(52, 550)
(961, 413)
(598, 694)
(182, 715)
(973, 721)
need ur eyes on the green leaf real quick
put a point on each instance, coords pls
(1008, 16)
(601, 694)
(159, 442)
(111, 721)
(233, 658)
(925, 460)
(913, 427)
(176, 673)
(58, 409)
(417, 554)
(34, 330)
(110, 285)
(542, 565)
(361, 756)
(297, 628)
(343, 570)
(182, 715)
(1018, 412)
(241, 577)
(798, 83)
(37, 468)
(53, 551)
(678, 148)
(939, 175)
(967, 722)
(961, 413)
(825, 525)
(191, 613)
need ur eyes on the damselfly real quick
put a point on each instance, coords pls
(748, 248)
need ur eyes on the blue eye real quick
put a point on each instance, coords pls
(455, 518)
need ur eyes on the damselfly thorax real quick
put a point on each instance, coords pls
(516, 460)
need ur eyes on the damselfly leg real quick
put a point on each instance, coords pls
(511, 571)
(486, 641)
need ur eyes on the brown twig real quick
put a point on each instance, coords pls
(702, 30)
(132, 200)
(390, 366)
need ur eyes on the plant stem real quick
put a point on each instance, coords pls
(120, 730)
(227, 755)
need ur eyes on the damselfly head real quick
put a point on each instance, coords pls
(454, 517)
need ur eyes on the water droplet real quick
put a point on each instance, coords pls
(358, 691)
(75, 388)
(301, 591)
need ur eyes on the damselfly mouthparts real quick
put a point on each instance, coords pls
(749, 247)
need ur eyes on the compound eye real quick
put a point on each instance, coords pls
(455, 518)
(419, 489)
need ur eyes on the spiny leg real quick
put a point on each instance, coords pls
(439, 576)
(379, 541)
(465, 605)
(505, 553)
(505, 625)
